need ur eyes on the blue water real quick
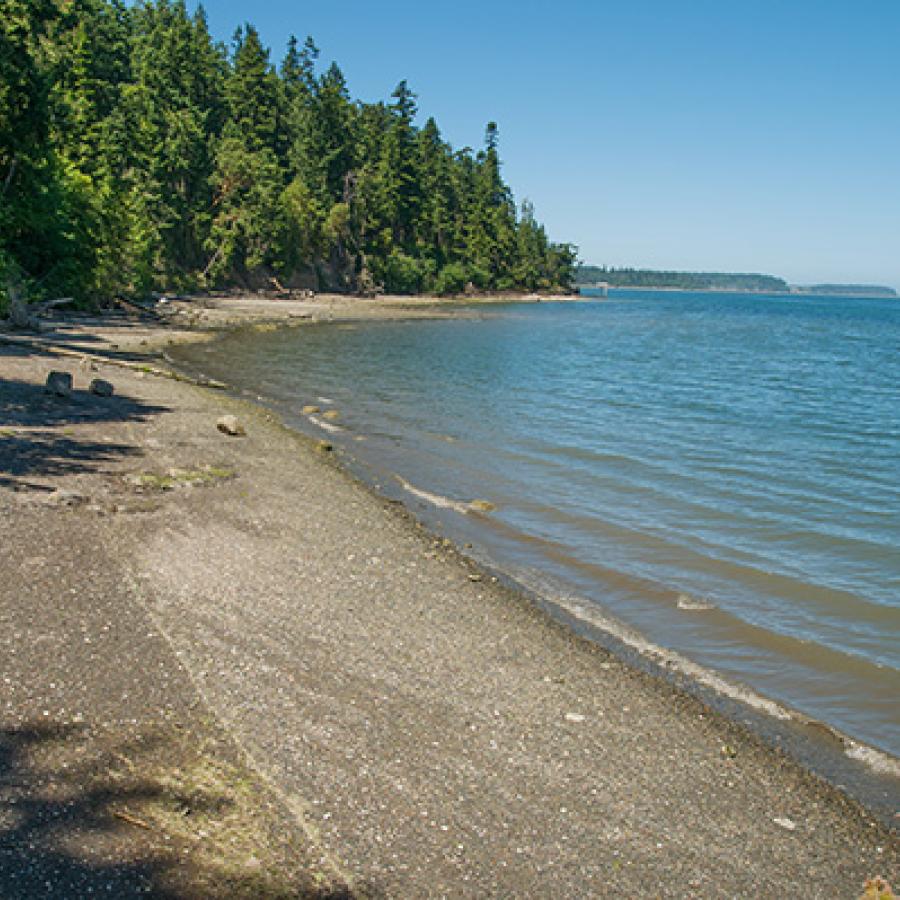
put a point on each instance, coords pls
(721, 472)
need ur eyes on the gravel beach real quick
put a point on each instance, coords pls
(228, 669)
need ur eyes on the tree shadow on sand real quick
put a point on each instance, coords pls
(36, 448)
(73, 333)
(86, 812)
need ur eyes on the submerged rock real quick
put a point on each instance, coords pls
(59, 384)
(310, 409)
(482, 506)
(229, 425)
(331, 414)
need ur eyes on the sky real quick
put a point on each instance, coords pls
(714, 135)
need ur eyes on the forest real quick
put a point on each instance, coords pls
(689, 281)
(138, 154)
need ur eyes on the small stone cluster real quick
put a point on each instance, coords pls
(60, 384)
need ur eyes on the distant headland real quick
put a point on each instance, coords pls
(590, 276)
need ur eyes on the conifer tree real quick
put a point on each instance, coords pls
(136, 153)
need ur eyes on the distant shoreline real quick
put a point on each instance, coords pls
(683, 290)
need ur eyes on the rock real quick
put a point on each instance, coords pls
(310, 410)
(62, 497)
(101, 388)
(324, 447)
(59, 383)
(574, 717)
(230, 425)
(331, 414)
(482, 506)
(784, 822)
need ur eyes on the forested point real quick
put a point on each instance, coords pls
(696, 281)
(138, 154)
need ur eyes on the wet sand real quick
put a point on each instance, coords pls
(408, 726)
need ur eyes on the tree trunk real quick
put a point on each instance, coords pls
(19, 317)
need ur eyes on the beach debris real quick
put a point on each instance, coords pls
(331, 415)
(574, 717)
(686, 602)
(59, 384)
(62, 497)
(482, 505)
(310, 409)
(132, 820)
(877, 889)
(229, 425)
(101, 388)
(785, 823)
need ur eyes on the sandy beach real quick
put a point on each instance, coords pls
(229, 669)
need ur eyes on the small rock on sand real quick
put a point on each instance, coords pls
(59, 384)
(574, 717)
(61, 497)
(101, 388)
(230, 425)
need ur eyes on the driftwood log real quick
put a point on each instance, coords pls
(23, 315)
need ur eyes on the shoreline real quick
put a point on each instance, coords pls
(506, 602)
(681, 290)
(833, 754)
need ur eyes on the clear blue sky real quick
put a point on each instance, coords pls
(739, 135)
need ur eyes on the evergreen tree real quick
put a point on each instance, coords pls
(136, 153)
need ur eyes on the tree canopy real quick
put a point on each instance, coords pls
(138, 154)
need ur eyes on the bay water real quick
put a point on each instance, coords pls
(720, 472)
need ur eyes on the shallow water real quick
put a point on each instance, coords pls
(721, 472)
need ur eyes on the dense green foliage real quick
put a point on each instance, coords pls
(696, 281)
(138, 154)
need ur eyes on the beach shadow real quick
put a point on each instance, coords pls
(25, 404)
(42, 450)
(48, 829)
(73, 334)
(86, 813)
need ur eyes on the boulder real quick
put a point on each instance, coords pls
(229, 425)
(101, 388)
(59, 384)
